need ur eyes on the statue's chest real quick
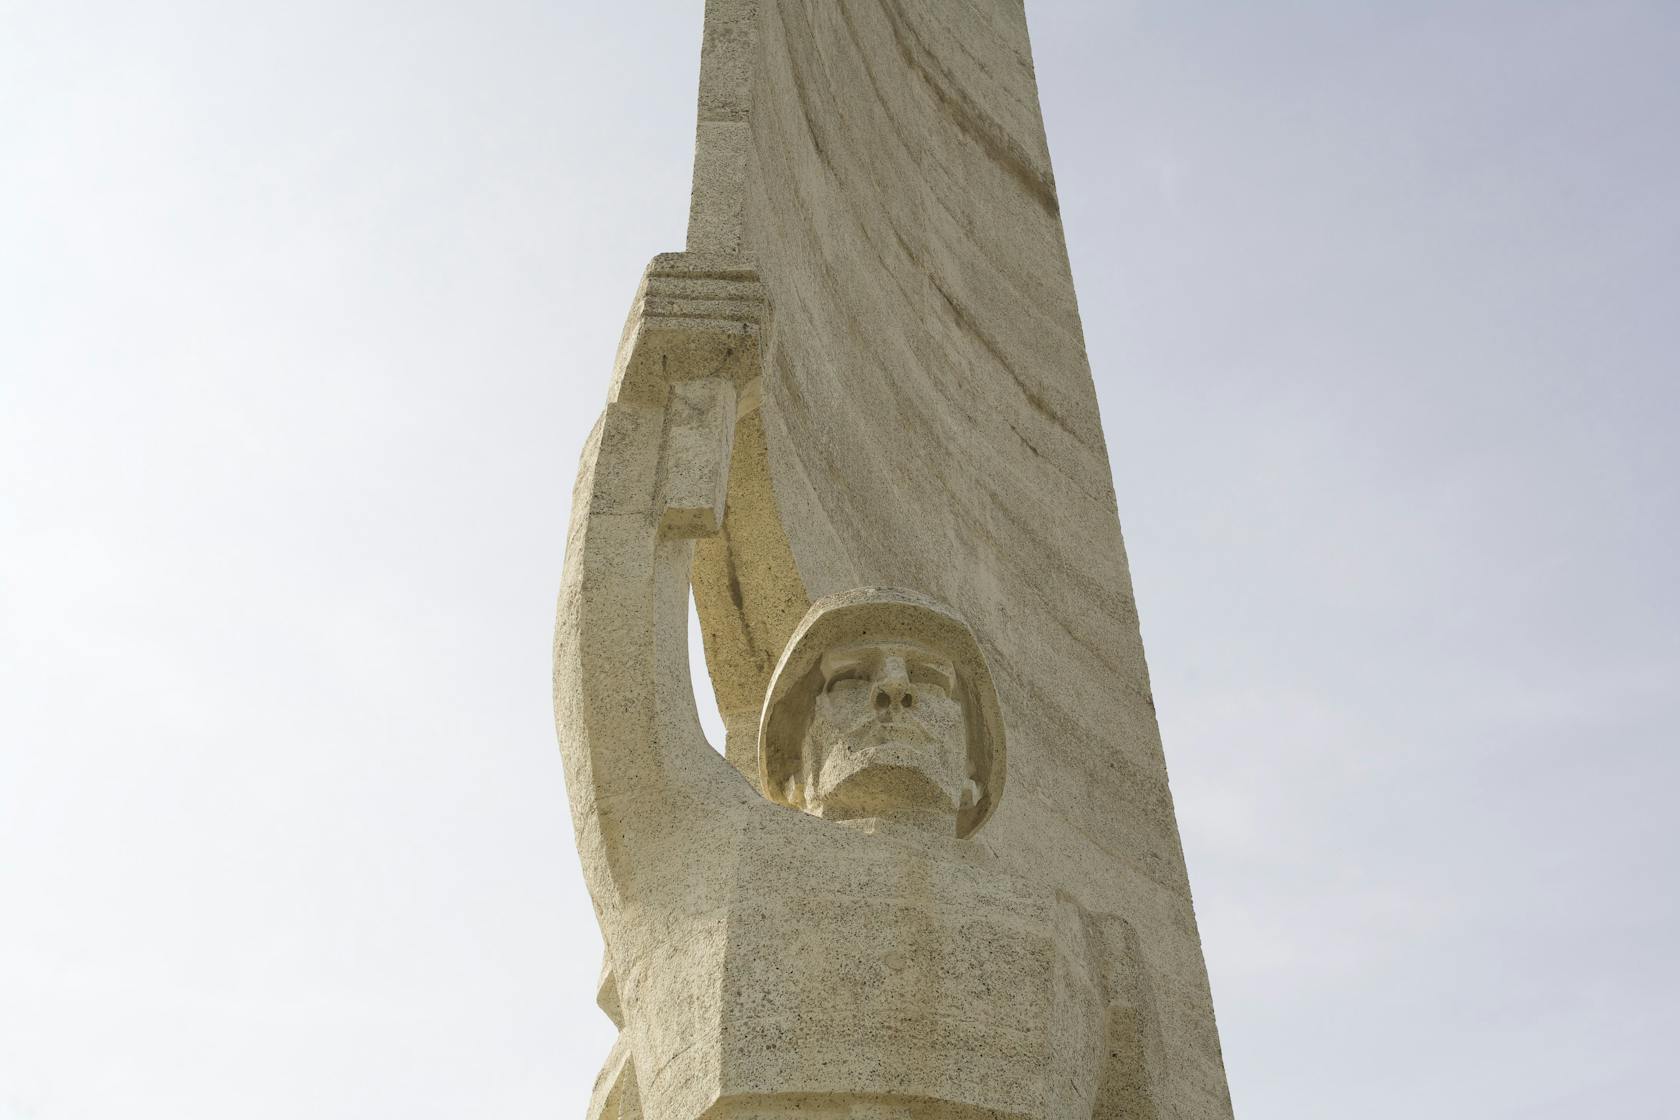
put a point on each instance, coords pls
(872, 968)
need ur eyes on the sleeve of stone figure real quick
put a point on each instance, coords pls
(651, 480)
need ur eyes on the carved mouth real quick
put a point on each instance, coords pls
(884, 734)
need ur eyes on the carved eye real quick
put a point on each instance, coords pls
(930, 682)
(845, 681)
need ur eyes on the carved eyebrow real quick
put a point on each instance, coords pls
(845, 661)
(919, 661)
(930, 659)
(934, 667)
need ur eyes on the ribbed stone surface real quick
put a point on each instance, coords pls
(931, 419)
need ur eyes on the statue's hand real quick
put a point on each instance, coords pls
(694, 461)
(691, 347)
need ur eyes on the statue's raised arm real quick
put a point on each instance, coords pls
(652, 478)
(832, 941)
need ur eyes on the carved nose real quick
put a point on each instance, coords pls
(891, 694)
(892, 688)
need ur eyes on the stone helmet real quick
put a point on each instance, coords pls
(884, 614)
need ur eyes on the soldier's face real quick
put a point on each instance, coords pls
(887, 733)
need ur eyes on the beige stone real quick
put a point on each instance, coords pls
(938, 874)
(883, 705)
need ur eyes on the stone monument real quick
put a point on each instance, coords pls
(935, 871)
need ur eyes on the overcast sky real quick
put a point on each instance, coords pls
(305, 309)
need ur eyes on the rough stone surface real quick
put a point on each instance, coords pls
(870, 363)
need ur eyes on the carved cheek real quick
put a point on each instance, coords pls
(941, 713)
(845, 703)
(953, 732)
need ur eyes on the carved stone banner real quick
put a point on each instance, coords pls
(938, 873)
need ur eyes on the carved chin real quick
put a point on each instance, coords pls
(880, 780)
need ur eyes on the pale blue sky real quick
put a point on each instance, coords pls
(305, 310)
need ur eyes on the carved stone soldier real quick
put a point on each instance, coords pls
(837, 945)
